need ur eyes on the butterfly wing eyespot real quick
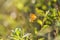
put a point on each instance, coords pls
(32, 17)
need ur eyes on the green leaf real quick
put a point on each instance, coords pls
(39, 12)
(17, 30)
(44, 7)
(36, 31)
(41, 39)
(45, 26)
(49, 3)
(40, 22)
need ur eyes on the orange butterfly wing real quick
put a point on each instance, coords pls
(32, 17)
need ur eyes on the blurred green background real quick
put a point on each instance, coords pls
(29, 19)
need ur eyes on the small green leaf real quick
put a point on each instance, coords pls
(39, 21)
(45, 26)
(49, 3)
(41, 39)
(17, 30)
(36, 31)
(44, 7)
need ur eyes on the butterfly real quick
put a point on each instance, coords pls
(32, 17)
